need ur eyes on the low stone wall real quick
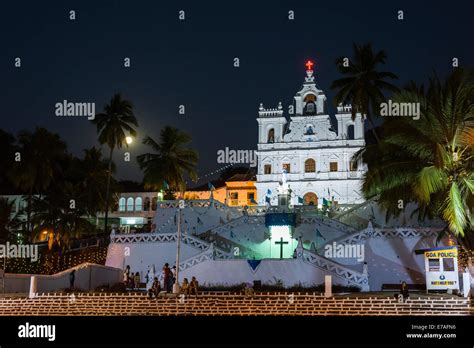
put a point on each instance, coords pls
(228, 304)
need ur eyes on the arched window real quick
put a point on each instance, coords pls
(122, 204)
(310, 166)
(129, 204)
(271, 136)
(350, 132)
(146, 207)
(138, 204)
(153, 203)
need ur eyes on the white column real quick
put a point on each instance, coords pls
(33, 286)
(327, 286)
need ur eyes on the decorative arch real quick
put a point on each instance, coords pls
(309, 104)
(310, 198)
(309, 97)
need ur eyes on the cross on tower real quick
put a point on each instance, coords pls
(309, 64)
(281, 242)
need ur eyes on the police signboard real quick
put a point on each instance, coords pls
(441, 267)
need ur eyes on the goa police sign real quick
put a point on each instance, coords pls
(441, 267)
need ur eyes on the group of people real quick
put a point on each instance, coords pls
(163, 283)
(189, 288)
(131, 281)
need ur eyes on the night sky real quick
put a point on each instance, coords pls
(190, 62)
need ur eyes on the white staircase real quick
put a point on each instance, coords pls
(352, 277)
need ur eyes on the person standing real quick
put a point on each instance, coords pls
(126, 275)
(131, 281)
(166, 277)
(404, 291)
(193, 286)
(147, 276)
(137, 281)
(173, 277)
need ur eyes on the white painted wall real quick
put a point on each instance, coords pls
(88, 276)
(232, 272)
(143, 255)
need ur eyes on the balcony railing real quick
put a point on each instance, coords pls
(311, 176)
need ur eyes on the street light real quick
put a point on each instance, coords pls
(128, 140)
(178, 246)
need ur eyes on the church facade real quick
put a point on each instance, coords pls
(316, 159)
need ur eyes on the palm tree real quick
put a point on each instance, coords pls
(94, 176)
(364, 85)
(170, 161)
(8, 218)
(112, 125)
(41, 153)
(55, 214)
(429, 161)
(7, 159)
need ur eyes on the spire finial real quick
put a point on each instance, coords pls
(309, 72)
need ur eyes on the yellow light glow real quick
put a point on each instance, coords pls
(129, 140)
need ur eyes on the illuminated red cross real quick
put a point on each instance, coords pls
(309, 64)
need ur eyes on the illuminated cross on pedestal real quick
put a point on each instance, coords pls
(309, 65)
(281, 242)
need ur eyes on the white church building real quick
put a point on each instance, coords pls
(316, 158)
(303, 157)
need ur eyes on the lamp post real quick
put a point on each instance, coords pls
(178, 246)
